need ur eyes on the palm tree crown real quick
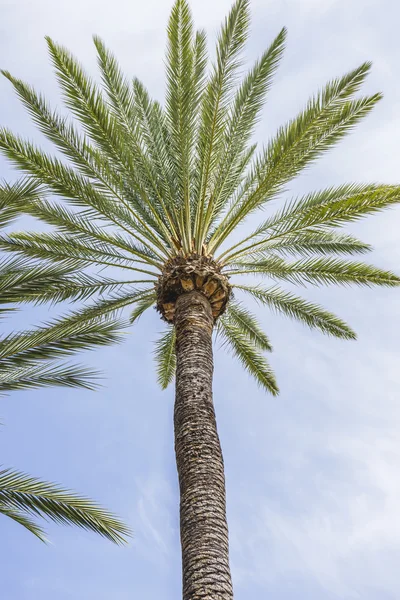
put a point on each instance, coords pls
(155, 193)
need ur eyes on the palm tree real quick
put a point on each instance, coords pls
(156, 194)
(29, 360)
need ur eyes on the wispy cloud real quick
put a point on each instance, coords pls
(156, 509)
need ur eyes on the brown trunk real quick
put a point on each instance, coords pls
(204, 530)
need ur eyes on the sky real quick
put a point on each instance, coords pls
(313, 484)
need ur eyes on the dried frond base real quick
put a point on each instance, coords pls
(195, 272)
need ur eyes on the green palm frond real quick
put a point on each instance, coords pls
(71, 185)
(77, 252)
(247, 352)
(117, 87)
(316, 212)
(326, 119)
(306, 243)
(242, 118)
(46, 374)
(84, 99)
(318, 271)
(145, 302)
(248, 325)
(58, 130)
(214, 109)
(89, 161)
(29, 359)
(20, 517)
(58, 338)
(141, 184)
(153, 128)
(18, 282)
(165, 358)
(82, 286)
(103, 309)
(12, 197)
(79, 225)
(23, 496)
(297, 308)
(181, 107)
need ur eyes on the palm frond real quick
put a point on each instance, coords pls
(248, 354)
(200, 58)
(61, 337)
(63, 134)
(243, 319)
(29, 375)
(215, 103)
(19, 517)
(12, 198)
(135, 112)
(305, 243)
(86, 102)
(146, 301)
(20, 281)
(60, 178)
(79, 190)
(78, 252)
(156, 139)
(165, 358)
(82, 286)
(23, 495)
(118, 88)
(293, 306)
(318, 271)
(181, 108)
(90, 162)
(332, 207)
(80, 225)
(243, 116)
(327, 118)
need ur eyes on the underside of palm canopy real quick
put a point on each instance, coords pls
(185, 274)
(144, 196)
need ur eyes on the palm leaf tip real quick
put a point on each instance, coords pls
(46, 373)
(29, 359)
(26, 496)
(20, 517)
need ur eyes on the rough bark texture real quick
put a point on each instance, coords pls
(204, 530)
(194, 272)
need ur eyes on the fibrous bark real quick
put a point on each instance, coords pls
(204, 530)
(195, 272)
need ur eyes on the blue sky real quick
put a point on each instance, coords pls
(312, 476)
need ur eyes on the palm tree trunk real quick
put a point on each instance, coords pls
(204, 530)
